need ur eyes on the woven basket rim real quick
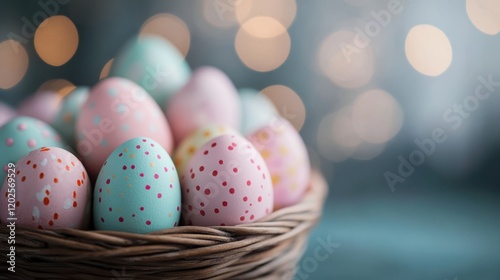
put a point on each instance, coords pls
(269, 246)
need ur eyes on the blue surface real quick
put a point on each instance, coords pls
(430, 235)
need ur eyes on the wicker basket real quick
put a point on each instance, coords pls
(266, 249)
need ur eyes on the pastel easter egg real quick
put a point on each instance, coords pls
(226, 183)
(137, 189)
(256, 110)
(116, 111)
(65, 120)
(286, 157)
(42, 105)
(52, 190)
(188, 147)
(22, 135)
(153, 63)
(208, 97)
(6, 113)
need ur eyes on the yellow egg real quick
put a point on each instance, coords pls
(188, 147)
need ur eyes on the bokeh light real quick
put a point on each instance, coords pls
(283, 11)
(345, 60)
(367, 151)
(360, 130)
(342, 129)
(288, 103)
(377, 117)
(485, 15)
(106, 68)
(328, 140)
(61, 86)
(56, 40)
(428, 50)
(13, 63)
(264, 27)
(169, 27)
(262, 44)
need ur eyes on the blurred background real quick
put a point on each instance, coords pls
(398, 103)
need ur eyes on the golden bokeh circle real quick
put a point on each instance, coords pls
(60, 86)
(169, 27)
(13, 63)
(284, 11)
(262, 44)
(288, 103)
(485, 15)
(345, 61)
(428, 50)
(105, 69)
(56, 40)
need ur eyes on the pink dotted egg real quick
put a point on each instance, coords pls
(227, 187)
(286, 157)
(208, 97)
(116, 111)
(52, 191)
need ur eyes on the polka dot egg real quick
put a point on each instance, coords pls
(286, 156)
(117, 110)
(188, 147)
(22, 135)
(226, 183)
(137, 189)
(208, 97)
(52, 191)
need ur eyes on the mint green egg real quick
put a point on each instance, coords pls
(22, 135)
(153, 63)
(137, 189)
(257, 110)
(65, 120)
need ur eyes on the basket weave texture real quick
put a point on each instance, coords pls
(266, 249)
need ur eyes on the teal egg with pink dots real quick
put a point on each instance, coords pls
(22, 135)
(137, 189)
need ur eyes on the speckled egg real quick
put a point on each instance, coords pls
(6, 113)
(65, 120)
(153, 63)
(137, 189)
(52, 191)
(209, 97)
(22, 135)
(286, 157)
(42, 105)
(256, 110)
(226, 183)
(188, 147)
(116, 111)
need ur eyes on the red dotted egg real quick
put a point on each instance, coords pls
(233, 191)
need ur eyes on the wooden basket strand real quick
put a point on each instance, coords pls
(266, 249)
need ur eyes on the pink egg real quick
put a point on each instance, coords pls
(6, 113)
(226, 183)
(52, 190)
(42, 105)
(116, 111)
(208, 97)
(286, 157)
